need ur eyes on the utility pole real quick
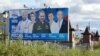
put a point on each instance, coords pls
(5, 16)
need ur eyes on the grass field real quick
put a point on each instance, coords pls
(48, 49)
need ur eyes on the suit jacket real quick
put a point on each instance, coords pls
(64, 27)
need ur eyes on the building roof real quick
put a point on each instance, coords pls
(70, 27)
(87, 31)
(96, 34)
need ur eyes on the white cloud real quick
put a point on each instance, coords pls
(92, 29)
(91, 1)
(91, 8)
(82, 13)
(9, 4)
(58, 3)
(83, 18)
(86, 13)
(18, 4)
(80, 10)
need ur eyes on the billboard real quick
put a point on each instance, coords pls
(39, 24)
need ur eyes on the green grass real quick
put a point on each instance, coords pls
(2, 23)
(43, 49)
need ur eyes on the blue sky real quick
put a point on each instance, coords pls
(81, 12)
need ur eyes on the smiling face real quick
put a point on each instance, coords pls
(24, 15)
(60, 15)
(51, 16)
(32, 16)
(41, 16)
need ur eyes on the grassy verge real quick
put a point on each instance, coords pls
(38, 49)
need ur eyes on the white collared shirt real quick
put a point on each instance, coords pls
(30, 30)
(23, 26)
(54, 27)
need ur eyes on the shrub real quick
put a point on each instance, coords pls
(44, 49)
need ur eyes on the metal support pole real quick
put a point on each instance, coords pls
(4, 32)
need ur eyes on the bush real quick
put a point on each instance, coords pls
(46, 49)
(97, 46)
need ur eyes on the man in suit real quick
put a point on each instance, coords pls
(41, 26)
(63, 24)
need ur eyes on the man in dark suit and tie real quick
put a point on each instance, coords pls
(63, 24)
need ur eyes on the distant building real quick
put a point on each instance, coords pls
(86, 36)
(95, 36)
(78, 32)
(4, 23)
(71, 35)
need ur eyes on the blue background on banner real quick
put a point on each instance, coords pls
(45, 36)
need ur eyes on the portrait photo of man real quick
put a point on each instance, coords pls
(23, 25)
(41, 26)
(62, 23)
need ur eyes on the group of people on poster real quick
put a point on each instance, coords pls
(27, 25)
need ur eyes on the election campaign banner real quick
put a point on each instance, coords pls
(39, 24)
